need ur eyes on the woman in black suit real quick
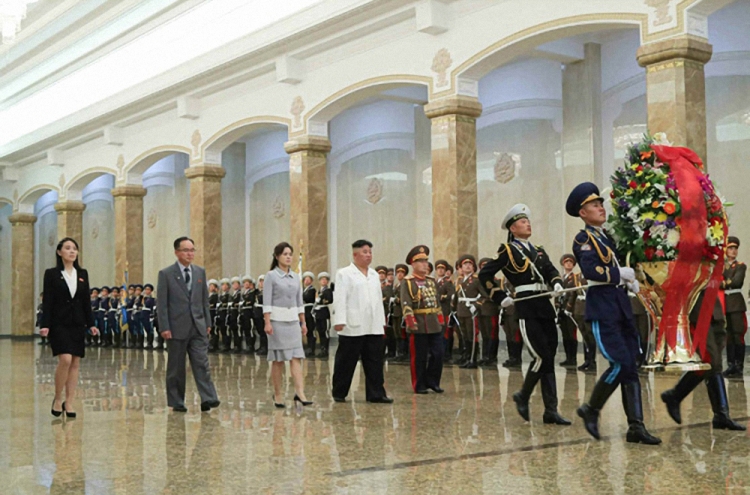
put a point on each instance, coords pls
(66, 314)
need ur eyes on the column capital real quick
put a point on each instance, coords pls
(317, 144)
(71, 206)
(22, 218)
(684, 47)
(129, 191)
(467, 106)
(205, 172)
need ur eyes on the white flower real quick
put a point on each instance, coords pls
(660, 138)
(659, 231)
(673, 237)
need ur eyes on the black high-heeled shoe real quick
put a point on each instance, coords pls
(56, 414)
(303, 402)
(70, 415)
(276, 404)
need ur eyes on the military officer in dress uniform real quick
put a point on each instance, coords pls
(568, 325)
(246, 313)
(105, 334)
(489, 315)
(717, 391)
(322, 312)
(466, 305)
(148, 303)
(309, 295)
(531, 271)
(511, 328)
(397, 316)
(389, 298)
(113, 314)
(222, 315)
(610, 313)
(132, 336)
(213, 307)
(39, 310)
(446, 290)
(734, 278)
(95, 311)
(233, 321)
(258, 321)
(137, 323)
(424, 321)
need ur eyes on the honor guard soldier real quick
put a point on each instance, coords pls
(95, 312)
(446, 290)
(323, 313)
(511, 328)
(39, 310)
(105, 333)
(397, 316)
(148, 303)
(466, 305)
(734, 278)
(385, 290)
(129, 301)
(489, 313)
(424, 322)
(213, 308)
(566, 322)
(610, 313)
(258, 318)
(715, 386)
(309, 295)
(530, 270)
(389, 298)
(225, 299)
(233, 322)
(137, 321)
(246, 313)
(113, 316)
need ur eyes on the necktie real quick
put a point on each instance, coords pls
(187, 276)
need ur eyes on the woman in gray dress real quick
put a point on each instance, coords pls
(284, 316)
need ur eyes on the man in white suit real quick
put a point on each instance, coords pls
(359, 319)
(184, 317)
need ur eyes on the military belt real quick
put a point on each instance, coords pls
(426, 311)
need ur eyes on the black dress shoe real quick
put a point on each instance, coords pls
(554, 418)
(637, 433)
(437, 390)
(590, 417)
(339, 399)
(381, 400)
(209, 404)
(303, 402)
(179, 409)
(421, 391)
(522, 405)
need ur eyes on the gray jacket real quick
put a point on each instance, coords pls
(178, 310)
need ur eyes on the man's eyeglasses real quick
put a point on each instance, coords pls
(187, 250)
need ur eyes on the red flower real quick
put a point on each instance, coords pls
(650, 251)
(612, 195)
(639, 168)
(715, 204)
(632, 184)
(646, 235)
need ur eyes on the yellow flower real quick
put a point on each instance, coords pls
(717, 231)
(649, 215)
(661, 217)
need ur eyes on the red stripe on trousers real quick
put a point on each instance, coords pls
(744, 330)
(412, 363)
(495, 323)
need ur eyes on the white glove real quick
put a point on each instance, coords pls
(507, 302)
(634, 287)
(627, 274)
(558, 290)
(473, 310)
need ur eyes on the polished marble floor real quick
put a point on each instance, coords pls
(468, 440)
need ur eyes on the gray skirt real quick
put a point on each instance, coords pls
(285, 343)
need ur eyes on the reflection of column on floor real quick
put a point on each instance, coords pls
(128, 233)
(582, 128)
(454, 175)
(22, 261)
(309, 200)
(70, 223)
(22, 404)
(205, 216)
(676, 89)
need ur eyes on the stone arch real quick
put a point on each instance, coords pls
(73, 190)
(219, 141)
(5, 201)
(142, 162)
(316, 118)
(28, 199)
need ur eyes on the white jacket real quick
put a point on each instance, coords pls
(358, 302)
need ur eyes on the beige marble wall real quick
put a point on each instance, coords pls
(205, 217)
(164, 220)
(70, 222)
(582, 127)
(99, 239)
(22, 258)
(537, 184)
(308, 183)
(388, 219)
(269, 219)
(454, 175)
(6, 271)
(233, 199)
(676, 89)
(128, 201)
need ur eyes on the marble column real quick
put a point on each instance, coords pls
(70, 222)
(581, 130)
(309, 200)
(454, 176)
(22, 264)
(676, 89)
(205, 216)
(129, 233)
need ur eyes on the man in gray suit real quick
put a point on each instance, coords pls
(182, 308)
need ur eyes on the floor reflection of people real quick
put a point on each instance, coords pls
(69, 478)
(202, 472)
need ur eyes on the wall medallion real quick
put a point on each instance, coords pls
(440, 65)
(374, 191)
(505, 167)
(95, 230)
(661, 16)
(298, 106)
(196, 142)
(152, 218)
(120, 165)
(277, 208)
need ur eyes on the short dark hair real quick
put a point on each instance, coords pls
(179, 240)
(361, 243)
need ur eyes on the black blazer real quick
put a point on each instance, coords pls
(61, 310)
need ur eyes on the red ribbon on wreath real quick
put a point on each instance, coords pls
(690, 249)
